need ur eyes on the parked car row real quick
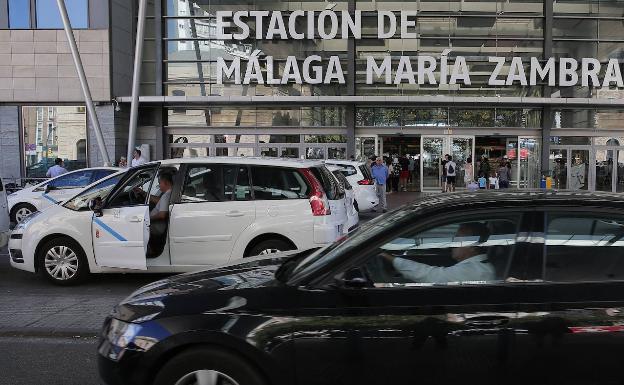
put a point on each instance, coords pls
(220, 209)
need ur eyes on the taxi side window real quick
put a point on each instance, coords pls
(584, 248)
(135, 191)
(216, 183)
(72, 180)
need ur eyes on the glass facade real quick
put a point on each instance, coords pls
(46, 14)
(51, 132)
(532, 127)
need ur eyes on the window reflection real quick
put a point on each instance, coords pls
(54, 132)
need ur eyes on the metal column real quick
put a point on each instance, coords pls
(547, 114)
(83, 81)
(136, 78)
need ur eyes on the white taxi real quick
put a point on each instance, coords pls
(53, 191)
(219, 209)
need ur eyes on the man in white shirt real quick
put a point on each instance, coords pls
(137, 159)
(451, 173)
(159, 217)
(57, 169)
(472, 263)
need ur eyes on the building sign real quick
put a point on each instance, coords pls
(326, 25)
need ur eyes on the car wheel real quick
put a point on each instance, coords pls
(199, 366)
(62, 261)
(21, 211)
(269, 246)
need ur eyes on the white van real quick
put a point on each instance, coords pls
(352, 214)
(359, 176)
(4, 216)
(45, 194)
(220, 209)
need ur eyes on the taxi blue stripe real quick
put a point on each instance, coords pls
(46, 196)
(109, 230)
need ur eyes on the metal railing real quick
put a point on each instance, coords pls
(12, 185)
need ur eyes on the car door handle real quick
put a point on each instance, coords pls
(135, 219)
(234, 214)
(487, 321)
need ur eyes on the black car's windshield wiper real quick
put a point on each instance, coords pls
(283, 272)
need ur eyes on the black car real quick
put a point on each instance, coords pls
(488, 288)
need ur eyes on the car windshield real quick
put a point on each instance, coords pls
(100, 190)
(352, 241)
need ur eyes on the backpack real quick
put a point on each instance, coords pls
(451, 169)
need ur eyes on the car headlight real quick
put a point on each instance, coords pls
(126, 335)
(24, 223)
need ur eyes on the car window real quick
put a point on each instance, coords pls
(72, 180)
(329, 183)
(276, 183)
(343, 181)
(100, 190)
(471, 250)
(584, 248)
(366, 172)
(215, 183)
(135, 190)
(99, 174)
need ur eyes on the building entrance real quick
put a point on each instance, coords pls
(406, 150)
(433, 149)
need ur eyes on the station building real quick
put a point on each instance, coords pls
(573, 133)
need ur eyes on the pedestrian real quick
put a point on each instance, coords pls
(123, 163)
(484, 166)
(451, 174)
(482, 181)
(493, 181)
(468, 171)
(443, 173)
(404, 175)
(395, 175)
(410, 168)
(137, 158)
(504, 176)
(380, 173)
(57, 169)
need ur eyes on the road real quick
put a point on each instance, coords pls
(48, 334)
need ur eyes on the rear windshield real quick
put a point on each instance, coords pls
(340, 176)
(329, 183)
(366, 171)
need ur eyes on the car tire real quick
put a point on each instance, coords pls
(63, 262)
(269, 246)
(220, 367)
(20, 211)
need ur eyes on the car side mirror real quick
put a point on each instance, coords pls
(95, 205)
(49, 188)
(354, 279)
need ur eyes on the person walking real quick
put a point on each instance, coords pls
(137, 159)
(468, 171)
(395, 175)
(57, 169)
(451, 174)
(504, 176)
(380, 173)
(484, 166)
(404, 176)
(443, 165)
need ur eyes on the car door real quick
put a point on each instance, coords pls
(374, 325)
(214, 208)
(581, 339)
(121, 232)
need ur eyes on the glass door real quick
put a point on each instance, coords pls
(530, 151)
(558, 164)
(609, 169)
(431, 162)
(433, 149)
(461, 149)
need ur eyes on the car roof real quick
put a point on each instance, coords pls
(250, 160)
(345, 162)
(516, 198)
